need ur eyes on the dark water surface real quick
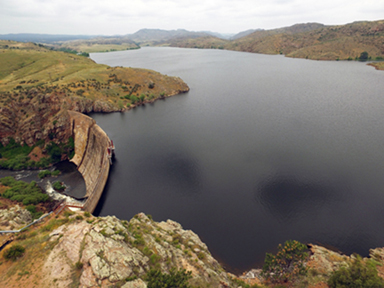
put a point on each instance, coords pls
(261, 150)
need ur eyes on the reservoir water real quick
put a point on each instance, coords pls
(261, 150)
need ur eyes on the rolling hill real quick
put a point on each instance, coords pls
(310, 41)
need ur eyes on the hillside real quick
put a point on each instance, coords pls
(98, 44)
(310, 41)
(153, 37)
(42, 38)
(37, 85)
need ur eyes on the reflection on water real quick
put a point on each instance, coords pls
(288, 199)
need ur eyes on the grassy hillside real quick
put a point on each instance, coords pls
(27, 65)
(311, 41)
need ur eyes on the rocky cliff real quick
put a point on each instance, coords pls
(107, 252)
(32, 116)
(75, 249)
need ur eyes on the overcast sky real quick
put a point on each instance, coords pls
(118, 17)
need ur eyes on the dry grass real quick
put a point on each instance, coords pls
(26, 271)
(72, 75)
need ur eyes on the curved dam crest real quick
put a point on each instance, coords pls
(91, 156)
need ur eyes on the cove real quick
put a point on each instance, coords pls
(262, 149)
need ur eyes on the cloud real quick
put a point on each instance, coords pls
(122, 17)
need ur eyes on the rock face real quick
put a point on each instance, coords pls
(326, 261)
(112, 252)
(14, 218)
(34, 116)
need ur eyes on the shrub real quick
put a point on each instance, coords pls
(287, 264)
(87, 214)
(175, 278)
(79, 265)
(134, 99)
(356, 275)
(363, 56)
(16, 251)
(32, 209)
(44, 173)
(58, 186)
(55, 173)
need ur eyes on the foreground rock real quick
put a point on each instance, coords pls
(107, 252)
(14, 218)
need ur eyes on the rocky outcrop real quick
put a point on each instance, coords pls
(110, 251)
(326, 261)
(14, 218)
(32, 116)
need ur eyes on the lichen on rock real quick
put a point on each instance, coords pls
(113, 251)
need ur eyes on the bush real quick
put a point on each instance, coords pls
(287, 264)
(356, 275)
(16, 251)
(363, 56)
(58, 186)
(79, 265)
(87, 214)
(32, 209)
(175, 278)
(44, 173)
(134, 99)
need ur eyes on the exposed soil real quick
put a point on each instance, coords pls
(36, 154)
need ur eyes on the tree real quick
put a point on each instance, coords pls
(363, 56)
(175, 278)
(133, 99)
(287, 264)
(356, 275)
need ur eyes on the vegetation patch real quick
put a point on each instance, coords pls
(15, 252)
(58, 186)
(175, 278)
(357, 274)
(287, 264)
(14, 156)
(23, 192)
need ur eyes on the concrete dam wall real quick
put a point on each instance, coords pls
(91, 156)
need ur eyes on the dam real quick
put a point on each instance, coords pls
(93, 151)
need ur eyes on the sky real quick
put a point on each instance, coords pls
(118, 17)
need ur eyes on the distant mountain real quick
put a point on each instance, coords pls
(156, 36)
(308, 40)
(317, 41)
(220, 35)
(42, 38)
(243, 34)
